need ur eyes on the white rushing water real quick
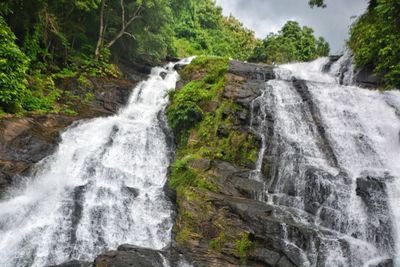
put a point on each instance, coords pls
(340, 133)
(103, 187)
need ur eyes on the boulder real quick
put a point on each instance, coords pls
(135, 257)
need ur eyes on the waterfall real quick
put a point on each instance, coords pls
(333, 156)
(102, 187)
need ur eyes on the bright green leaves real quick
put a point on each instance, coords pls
(291, 43)
(186, 109)
(201, 29)
(87, 5)
(375, 39)
(13, 67)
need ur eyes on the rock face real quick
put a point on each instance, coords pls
(363, 77)
(25, 141)
(130, 256)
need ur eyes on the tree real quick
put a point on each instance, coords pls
(13, 67)
(291, 43)
(317, 3)
(201, 28)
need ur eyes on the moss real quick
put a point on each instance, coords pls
(206, 128)
(243, 247)
(187, 105)
(194, 213)
(216, 244)
(213, 67)
(182, 174)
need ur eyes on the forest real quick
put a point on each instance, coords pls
(45, 41)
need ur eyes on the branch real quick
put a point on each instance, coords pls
(125, 25)
(135, 16)
(123, 13)
(130, 35)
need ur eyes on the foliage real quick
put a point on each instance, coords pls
(149, 38)
(13, 67)
(218, 243)
(317, 3)
(291, 43)
(185, 111)
(374, 40)
(243, 247)
(201, 29)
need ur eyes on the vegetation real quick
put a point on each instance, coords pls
(317, 3)
(374, 40)
(291, 43)
(13, 66)
(201, 29)
(243, 247)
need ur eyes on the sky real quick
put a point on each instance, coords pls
(265, 16)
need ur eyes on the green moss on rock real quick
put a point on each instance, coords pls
(206, 127)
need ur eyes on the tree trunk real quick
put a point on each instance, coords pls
(100, 41)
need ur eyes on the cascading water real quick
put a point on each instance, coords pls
(103, 186)
(333, 156)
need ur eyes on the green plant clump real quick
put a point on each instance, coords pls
(243, 247)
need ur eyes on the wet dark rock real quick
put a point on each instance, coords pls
(246, 81)
(134, 192)
(384, 263)
(74, 263)
(373, 192)
(332, 60)
(365, 77)
(130, 256)
(245, 91)
(252, 71)
(163, 74)
(179, 66)
(172, 59)
(26, 141)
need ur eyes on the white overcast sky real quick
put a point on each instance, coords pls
(265, 16)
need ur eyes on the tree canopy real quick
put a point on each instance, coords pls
(291, 43)
(201, 29)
